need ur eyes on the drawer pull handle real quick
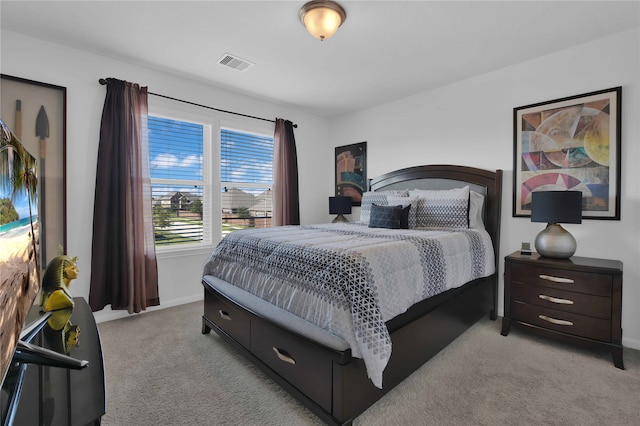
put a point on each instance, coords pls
(556, 279)
(555, 300)
(554, 321)
(284, 356)
(224, 315)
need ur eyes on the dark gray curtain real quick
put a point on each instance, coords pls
(124, 271)
(286, 203)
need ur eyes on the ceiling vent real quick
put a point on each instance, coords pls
(234, 62)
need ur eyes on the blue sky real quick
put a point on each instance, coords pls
(175, 152)
(175, 149)
(257, 152)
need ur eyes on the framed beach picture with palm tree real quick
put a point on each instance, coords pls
(19, 242)
(35, 112)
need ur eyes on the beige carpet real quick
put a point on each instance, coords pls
(160, 370)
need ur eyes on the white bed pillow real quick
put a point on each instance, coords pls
(476, 205)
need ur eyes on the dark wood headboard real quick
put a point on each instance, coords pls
(443, 176)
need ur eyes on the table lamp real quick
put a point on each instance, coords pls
(340, 206)
(555, 207)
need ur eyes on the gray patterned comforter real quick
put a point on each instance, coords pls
(349, 279)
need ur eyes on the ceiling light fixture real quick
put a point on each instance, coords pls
(322, 18)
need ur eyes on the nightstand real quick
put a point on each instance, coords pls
(578, 300)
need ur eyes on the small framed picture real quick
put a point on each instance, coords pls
(351, 171)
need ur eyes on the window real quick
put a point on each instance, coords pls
(186, 175)
(246, 163)
(177, 180)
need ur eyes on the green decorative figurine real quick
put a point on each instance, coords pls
(55, 283)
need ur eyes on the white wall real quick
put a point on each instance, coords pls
(179, 274)
(471, 123)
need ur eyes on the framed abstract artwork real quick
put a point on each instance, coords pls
(351, 171)
(573, 144)
(36, 113)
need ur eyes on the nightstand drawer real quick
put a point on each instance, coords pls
(562, 300)
(564, 279)
(566, 322)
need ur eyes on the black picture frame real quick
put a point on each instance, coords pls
(36, 112)
(351, 171)
(572, 143)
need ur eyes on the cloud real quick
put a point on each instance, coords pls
(254, 172)
(191, 160)
(168, 161)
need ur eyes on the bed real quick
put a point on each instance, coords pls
(326, 371)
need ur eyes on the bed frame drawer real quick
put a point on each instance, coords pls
(306, 366)
(229, 317)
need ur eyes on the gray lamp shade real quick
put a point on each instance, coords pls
(339, 205)
(556, 206)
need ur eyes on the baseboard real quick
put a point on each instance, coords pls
(631, 343)
(108, 315)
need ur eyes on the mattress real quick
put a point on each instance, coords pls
(349, 279)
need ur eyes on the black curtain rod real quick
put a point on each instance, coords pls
(104, 81)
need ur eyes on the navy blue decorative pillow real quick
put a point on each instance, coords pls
(408, 210)
(392, 217)
(404, 217)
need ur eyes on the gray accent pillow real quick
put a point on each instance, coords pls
(443, 208)
(378, 197)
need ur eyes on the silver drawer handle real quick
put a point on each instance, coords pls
(284, 356)
(555, 299)
(556, 279)
(554, 321)
(224, 315)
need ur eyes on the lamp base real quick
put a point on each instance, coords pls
(554, 241)
(340, 218)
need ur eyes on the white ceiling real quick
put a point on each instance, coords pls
(386, 50)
